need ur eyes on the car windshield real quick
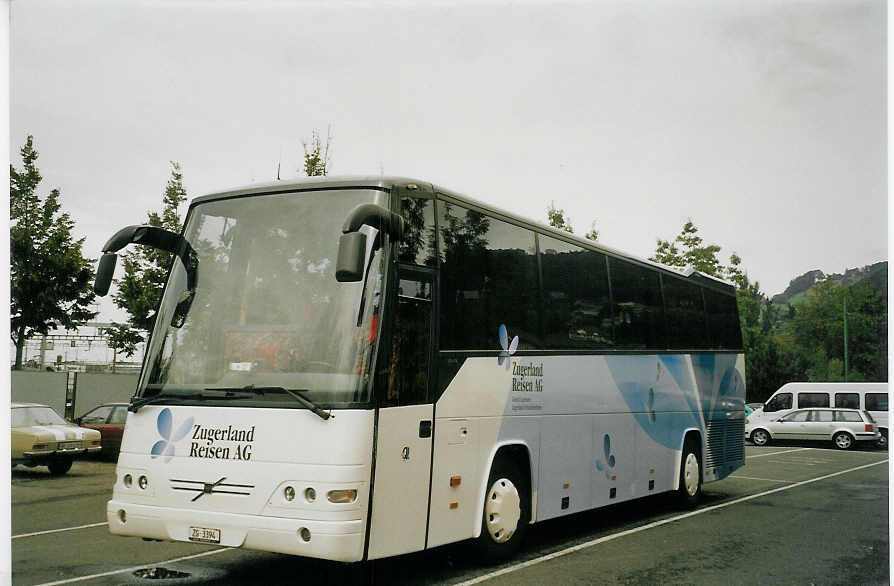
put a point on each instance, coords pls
(267, 309)
(27, 416)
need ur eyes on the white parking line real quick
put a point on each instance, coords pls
(777, 453)
(135, 568)
(755, 478)
(59, 530)
(589, 544)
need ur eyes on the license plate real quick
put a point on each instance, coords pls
(69, 445)
(204, 535)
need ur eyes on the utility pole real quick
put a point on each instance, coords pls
(845, 339)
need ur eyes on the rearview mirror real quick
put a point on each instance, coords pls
(351, 253)
(104, 273)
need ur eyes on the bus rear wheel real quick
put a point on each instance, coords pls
(506, 512)
(690, 487)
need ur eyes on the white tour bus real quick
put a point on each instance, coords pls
(871, 397)
(356, 368)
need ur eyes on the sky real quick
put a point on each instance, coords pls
(764, 122)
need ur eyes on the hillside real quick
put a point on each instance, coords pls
(876, 273)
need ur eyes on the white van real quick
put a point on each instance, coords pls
(872, 397)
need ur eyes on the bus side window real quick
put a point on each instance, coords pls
(779, 402)
(847, 400)
(876, 401)
(813, 400)
(418, 245)
(410, 344)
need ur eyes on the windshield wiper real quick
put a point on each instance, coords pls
(136, 403)
(294, 393)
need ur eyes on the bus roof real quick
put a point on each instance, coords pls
(389, 181)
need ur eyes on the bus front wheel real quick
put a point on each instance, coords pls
(506, 512)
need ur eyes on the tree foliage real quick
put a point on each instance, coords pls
(50, 280)
(316, 154)
(689, 250)
(557, 218)
(146, 269)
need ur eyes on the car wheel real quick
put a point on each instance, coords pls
(506, 512)
(689, 488)
(760, 437)
(883, 441)
(60, 466)
(843, 440)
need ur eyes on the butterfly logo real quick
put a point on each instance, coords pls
(508, 349)
(166, 445)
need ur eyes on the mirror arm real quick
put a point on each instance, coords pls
(376, 216)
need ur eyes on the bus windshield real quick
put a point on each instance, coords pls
(267, 310)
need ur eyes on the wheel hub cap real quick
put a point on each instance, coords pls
(690, 474)
(502, 510)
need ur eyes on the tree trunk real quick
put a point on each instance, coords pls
(20, 347)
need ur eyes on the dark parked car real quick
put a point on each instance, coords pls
(108, 420)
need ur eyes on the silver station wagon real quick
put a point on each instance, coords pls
(843, 427)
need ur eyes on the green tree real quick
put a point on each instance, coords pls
(122, 338)
(818, 330)
(316, 154)
(50, 280)
(593, 234)
(689, 250)
(145, 268)
(557, 219)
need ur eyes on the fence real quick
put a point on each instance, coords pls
(74, 393)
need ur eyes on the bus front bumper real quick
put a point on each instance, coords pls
(332, 540)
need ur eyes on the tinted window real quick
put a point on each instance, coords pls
(119, 415)
(813, 400)
(418, 243)
(876, 401)
(97, 416)
(576, 305)
(847, 400)
(638, 309)
(488, 278)
(821, 416)
(685, 310)
(796, 416)
(723, 320)
(779, 402)
(847, 416)
(408, 366)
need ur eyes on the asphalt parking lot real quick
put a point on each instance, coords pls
(792, 515)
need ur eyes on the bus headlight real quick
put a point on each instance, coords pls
(143, 482)
(342, 496)
(289, 493)
(310, 494)
(128, 480)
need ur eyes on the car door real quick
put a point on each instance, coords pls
(116, 427)
(821, 424)
(792, 426)
(98, 419)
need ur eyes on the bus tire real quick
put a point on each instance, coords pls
(689, 490)
(506, 512)
(843, 440)
(760, 437)
(59, 466)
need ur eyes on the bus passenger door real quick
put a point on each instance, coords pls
(399, 516)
